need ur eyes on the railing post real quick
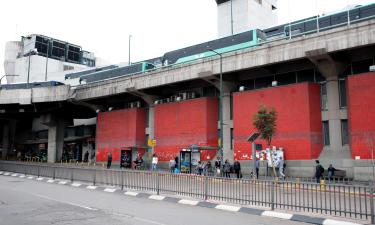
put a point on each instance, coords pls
(273, 195)
(54, 173)
(94, 177)
(205, 188)
(71, 175)
(38, 170)
(157, 184)
(25, 170)
(372, 203)
(122, 179)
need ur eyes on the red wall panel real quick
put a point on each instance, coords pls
(299, 126)
(117, 129)
(181, 124)
(361, 113)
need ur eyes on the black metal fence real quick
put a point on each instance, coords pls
(351, 201)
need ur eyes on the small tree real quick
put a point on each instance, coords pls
(265, 123)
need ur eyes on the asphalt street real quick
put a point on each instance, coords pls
(24, 201)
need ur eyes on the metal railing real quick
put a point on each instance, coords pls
(351, 201)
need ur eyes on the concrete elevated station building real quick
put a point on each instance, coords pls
(325, 99)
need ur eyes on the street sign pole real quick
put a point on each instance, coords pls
(254, 158)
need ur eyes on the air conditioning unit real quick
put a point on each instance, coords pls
(274, 83)
(242, 88)
(372, 68)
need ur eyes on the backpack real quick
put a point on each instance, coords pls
(321, 169)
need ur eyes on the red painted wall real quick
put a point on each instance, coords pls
(299, 126)
(361, 113)
(117, 129)
(181, 124)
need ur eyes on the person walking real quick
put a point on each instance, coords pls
(237, 168)
(109, 160)
(176, 162)
(200, 168)
(154, 162)
(281, 168)
(319, 170)
(257, 164)
(209, 168)
(226, 168)
(331, 171)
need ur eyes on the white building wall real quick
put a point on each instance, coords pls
(247, 14)
(12, 51)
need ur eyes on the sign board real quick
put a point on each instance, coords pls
(151, 142)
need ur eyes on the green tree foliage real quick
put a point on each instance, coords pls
(265, 122)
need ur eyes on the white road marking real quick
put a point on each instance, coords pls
(188, 202)
(337, 222)
(228, 208)
(65, 202)
(6, 174)
(280, 215)
(50, 181)
(92, 187)
(31, 177)
(110, 190)
(157, 197)
(131, 193)
(63, 182)
(1, 172)
(14, 174)
(76, 184)
(39, 178)
(137, 218)
(22, 176)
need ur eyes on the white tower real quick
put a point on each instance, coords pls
(242, 15)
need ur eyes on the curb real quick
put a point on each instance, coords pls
(190, 202)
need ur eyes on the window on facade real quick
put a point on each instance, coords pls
(326, 133)
(66, 67)
(342, 92)
(231, 139)
(324, 98)
(344, 132)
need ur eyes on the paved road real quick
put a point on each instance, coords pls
(25, 201)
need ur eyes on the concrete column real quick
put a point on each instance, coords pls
(333, 113)
(151, 122)
(55, 140)
(5, 144)
(228, 124)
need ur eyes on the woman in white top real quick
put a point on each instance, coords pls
(154, 162)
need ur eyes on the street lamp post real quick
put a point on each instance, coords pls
(35, 51)
(220, 105)
(129, 49)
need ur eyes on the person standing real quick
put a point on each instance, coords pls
(331, 171)
(257, 164)
(154, 162)
(109, 160)
(237, 168)
(176, 162)
(281, 168)
(318, 171)
(227, 168)
(217, 166)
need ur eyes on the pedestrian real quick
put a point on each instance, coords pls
(331, 171)
(319, 170)
(176, 161)
(209, 168)
(19, 156)
(172, 165)
(86, 157)
(200, 168)
(257, 164)
(109, 160)
(227, 168)
(154, 162)
(139, 162)
(237, 168)
(217, 166)
(281, 168)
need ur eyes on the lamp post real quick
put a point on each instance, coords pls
(48, 40)
(35, 51)
(220, 105)
(130, 36)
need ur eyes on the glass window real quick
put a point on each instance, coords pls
(344, 132)
(326, 133)
(342, 91)
(323, 94)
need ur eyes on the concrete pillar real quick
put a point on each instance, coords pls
(333, 113)
(55, 140)
(5, 142)
(228, 124)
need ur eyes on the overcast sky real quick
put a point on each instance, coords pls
(156, 26)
